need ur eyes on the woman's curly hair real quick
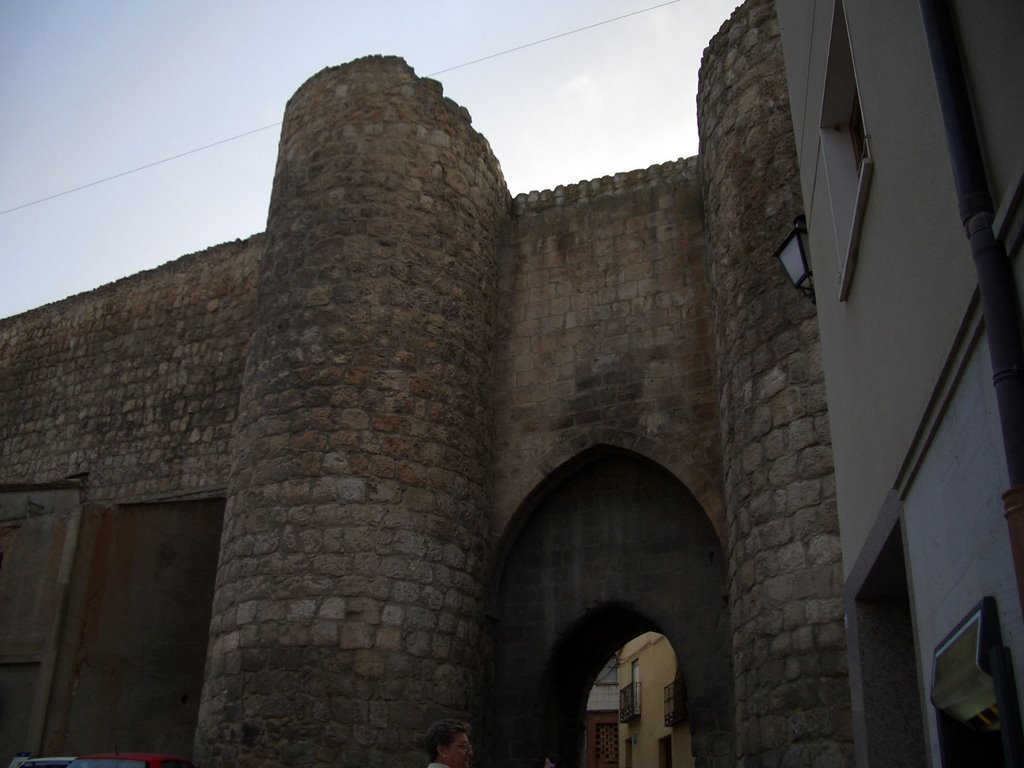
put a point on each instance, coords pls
(441, 734)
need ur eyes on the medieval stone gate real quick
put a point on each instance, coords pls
(615, 548)
(418, 396)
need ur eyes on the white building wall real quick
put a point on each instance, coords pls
(911, 403)
(956, 540)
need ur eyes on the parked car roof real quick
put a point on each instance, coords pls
(130, 760)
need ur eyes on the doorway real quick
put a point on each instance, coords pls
(616, 547)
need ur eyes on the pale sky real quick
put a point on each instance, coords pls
(93, 88)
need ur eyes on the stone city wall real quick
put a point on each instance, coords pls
(424, 355)
(605, 332)
(134, 384)
(792, 696)
(605, 351)
(349, 604)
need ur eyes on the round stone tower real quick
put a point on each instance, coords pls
(785, 572)
(348, 607)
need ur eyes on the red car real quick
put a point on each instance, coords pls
(130, 760)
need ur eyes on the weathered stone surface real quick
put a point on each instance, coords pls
(620, 543)
(784, 558)
(135, 384)
(605, 332)
(365, 398)
(428, 364)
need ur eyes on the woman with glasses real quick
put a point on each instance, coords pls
(447, 743)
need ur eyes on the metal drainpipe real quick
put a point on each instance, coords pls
(995, 272)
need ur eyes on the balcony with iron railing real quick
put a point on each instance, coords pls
(675, 703)
(629, 702)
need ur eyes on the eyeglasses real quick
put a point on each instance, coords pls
(466, 747)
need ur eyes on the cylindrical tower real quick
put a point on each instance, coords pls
(348, 606)
(785, 571)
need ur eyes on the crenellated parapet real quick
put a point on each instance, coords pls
(684, 170)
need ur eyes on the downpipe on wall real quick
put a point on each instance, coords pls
(996, 284)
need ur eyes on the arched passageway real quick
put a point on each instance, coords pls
(615, 546)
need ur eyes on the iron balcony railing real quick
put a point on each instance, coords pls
(629, 702)
(675, 703)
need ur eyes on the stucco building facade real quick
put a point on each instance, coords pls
(911, 186)
(654, 730)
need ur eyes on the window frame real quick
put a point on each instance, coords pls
(845, 148)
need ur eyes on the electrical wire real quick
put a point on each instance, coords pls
(553, 37)
(278, 123)
(140, 168)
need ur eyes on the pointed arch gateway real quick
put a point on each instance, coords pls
(611, 546)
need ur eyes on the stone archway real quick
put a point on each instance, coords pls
(614, 546)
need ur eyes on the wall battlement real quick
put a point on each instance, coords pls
(684, 169)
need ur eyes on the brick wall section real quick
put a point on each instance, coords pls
(135, 383)
(605, 332)
(349, 606)
(792, 694)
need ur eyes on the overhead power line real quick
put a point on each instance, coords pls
(140, 168)
(278, 123)
(553, 37)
